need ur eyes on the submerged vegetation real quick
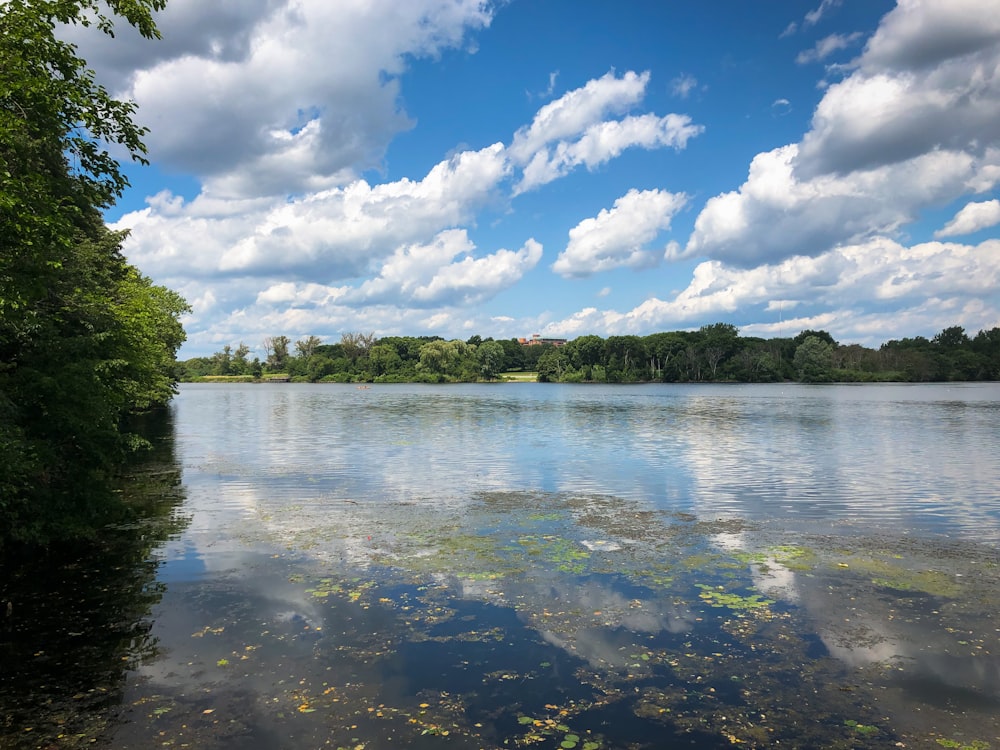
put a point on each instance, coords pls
(713, 353)
(557, 621)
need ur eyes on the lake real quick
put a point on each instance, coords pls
(532, 565)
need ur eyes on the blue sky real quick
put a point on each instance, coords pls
(566, 167)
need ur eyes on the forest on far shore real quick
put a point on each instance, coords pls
(713, 353)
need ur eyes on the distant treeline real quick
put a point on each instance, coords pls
(713, 353)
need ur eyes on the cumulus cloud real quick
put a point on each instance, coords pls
(916, 124)
(428, 275)
(221, 30)
(919, 34)
(929, 78)
(426, 287)
(345, 231)
(604, 141)
(844, 290)
(774, 215)
(367, 251)
(270, 106)
(286, 238)
(620, 236)
(575, 111)
(420, 275)
(573, 130)
(474, 280)
(972, 218)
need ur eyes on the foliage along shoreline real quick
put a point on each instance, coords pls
(86, 340)
(713, 354)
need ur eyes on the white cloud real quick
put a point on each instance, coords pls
(790, 29)
(339, 233)
(572, 131)
(553, 76)
(604, 141)
(916, 124)
(972, 218)
(577, 110)
(474, 280)
(271, 103)
(297, 295)
(221, 30)
(411, 267)
(620, 236)
(929, 285)
(428, 275)
(364, 252)
(922, 34)
(773, 215)
(813, 17)
(827, 46)
(928, 79)
(418, 276)
(683, 85)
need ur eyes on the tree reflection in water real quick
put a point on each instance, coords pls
(79, 619)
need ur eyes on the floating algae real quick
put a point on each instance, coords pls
(498, 626)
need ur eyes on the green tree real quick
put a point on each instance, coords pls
(552, 364)
(987, 345)
(513, 353)
(718, 342)
(625, 358)
(222, 361)
(306, 347)
(383, 359)
(446, 360)
(240, 365)
(147, 335)
(951, 338)
(813, 360)
(356, 345)
(276, 349)
(85, 339)
(585, 352)
(666, 355)
(821, 335)
(490, 355)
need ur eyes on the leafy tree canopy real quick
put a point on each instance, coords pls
(85, 338)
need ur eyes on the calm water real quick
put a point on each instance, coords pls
(540, 565)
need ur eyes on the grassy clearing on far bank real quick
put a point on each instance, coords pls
(224, 379)
(519, 377)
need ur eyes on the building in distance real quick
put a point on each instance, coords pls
(537, 340)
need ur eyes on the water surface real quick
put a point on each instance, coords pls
(562, 566)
